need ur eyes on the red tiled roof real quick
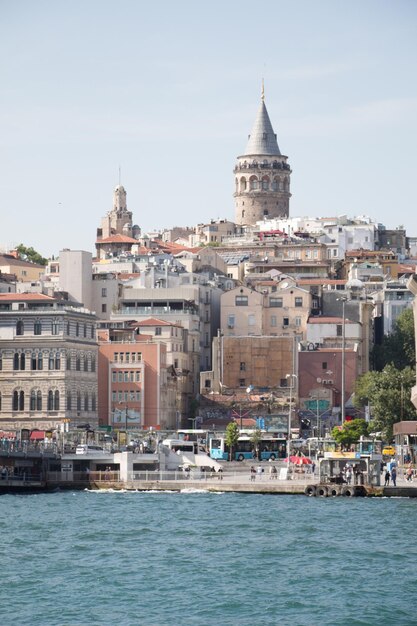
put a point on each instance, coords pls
(318, 319)
(24, 297)
(117, 238)
(153, 321)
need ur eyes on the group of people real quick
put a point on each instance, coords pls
(256, 471)
(351, 472)
(391, 475)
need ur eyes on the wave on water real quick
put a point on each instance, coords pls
(191, 490)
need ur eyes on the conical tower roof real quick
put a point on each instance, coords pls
(262, 140)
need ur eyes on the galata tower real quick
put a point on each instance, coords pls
(262, 175)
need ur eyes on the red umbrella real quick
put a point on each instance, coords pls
(299, 460)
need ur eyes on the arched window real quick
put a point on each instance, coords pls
(56, 400)
(77, 330)
(32, 403)
(37, 328)
(51, 361)
(20, 329)
(16, 361)
(85, 330)
(40, 360)
(78, 401)
(68, 328)
(39, 401)
(93, 363)
(236, 185)
(78, 363)
(86, 401)
(265, 183)
(92, 331)
(58, 361)
(93, 402)
(253, 183)
(85, 363)
(68, 361)
(69, 401)
(22, 361)
(55, 327)
(34, 361)
(18, 403)
(286, 184)
(50, 400)
(243, 184)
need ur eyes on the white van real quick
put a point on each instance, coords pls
(89, 449)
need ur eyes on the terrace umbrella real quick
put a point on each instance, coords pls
(299, 460)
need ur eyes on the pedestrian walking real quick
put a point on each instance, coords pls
(252, 473)
(394, 476)
(259, 471)
(387, 477)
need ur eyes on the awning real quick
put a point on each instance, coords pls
(6, 435)
(35, 435)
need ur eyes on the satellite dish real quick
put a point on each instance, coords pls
(319, 380)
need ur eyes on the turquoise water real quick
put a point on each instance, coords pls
(101, 559)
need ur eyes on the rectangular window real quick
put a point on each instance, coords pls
(137, 396)
(103, 292)
(298, 321)
(55, 328)
(113, 396)
(119, 396)
(242, 366)
(324, 365)
(283, 382)
(120, 377)
(286, 321)
(230, 321)
(241, 300)
(339, 330)
(275, 302)
(158, 330)
(126, 377)
(251, 319)
(273, 320)
(113, 377)
(104, 308)
(137, 375)
(127, 357)
(298, 302)
(242, 382)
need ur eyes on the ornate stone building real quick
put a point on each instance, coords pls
(48, 363)
(262, 175)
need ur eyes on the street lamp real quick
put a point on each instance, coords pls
(291, 377)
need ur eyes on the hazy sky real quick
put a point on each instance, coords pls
(169, 91)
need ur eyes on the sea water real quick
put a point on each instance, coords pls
(197, 558)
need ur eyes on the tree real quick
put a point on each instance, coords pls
(389, 395)
(255, 439)
(231, 437)
(350, 432)
(398, 347)
(30, 254)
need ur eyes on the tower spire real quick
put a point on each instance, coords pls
(263, 91)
